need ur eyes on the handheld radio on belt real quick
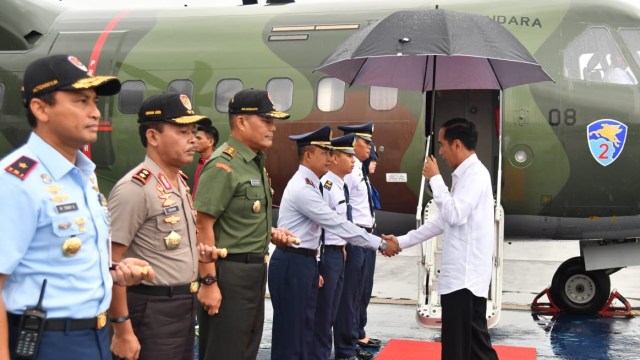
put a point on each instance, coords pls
(31, 327)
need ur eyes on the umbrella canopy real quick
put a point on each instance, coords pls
(468, 51)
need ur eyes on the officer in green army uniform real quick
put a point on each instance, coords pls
(153, 217)
(234, 212)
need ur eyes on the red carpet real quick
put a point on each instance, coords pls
(397, 349)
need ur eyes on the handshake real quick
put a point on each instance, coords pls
(392, 248)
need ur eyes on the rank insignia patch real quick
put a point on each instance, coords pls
(606, 138)
(142, 176)
(22, 167)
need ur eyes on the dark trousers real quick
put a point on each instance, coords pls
(332, 271)
(344, 342)
(68, 345)
(293, 286)
(235, 332)
(164, 325)
(464, 327)
(367, 289)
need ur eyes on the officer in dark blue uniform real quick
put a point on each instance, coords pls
(358, 266)
(332, 250)
(57, 225)
(293, 271)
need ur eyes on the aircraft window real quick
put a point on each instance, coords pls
(282, 91)
(330, 94)
(224, 91)
(184, 87)
(383, 98)
(131, 96)
(631, 38)
(1, 95)
(594, 56)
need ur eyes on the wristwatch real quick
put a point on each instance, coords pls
(209, 279)
(382, 246)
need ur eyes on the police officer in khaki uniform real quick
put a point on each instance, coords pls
(234, 212)
(153, 218)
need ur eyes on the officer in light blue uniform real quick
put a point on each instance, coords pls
(332, 250)
(358, 266)
(55, 222)
(293, 271)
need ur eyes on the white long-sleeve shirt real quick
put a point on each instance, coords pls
(467, 221)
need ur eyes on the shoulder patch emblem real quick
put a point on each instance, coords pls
(328, 184)
(231, 151)
(142, 176)
(22, 167)
(224, 167)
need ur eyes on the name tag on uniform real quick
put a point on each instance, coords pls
(171, 210)
(66, 208)
(255, 182)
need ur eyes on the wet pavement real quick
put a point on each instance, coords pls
(528, 269)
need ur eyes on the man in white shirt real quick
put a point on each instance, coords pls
(467, 221)
(618, 72)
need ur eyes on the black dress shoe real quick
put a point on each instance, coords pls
(372, 343)
(364, 355)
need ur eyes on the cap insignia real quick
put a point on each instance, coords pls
(22, 167)
(77, 63)
(185, 101)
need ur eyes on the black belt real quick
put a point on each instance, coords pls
(186, 289)
(334, 247)
(246, 258)
(58, 324)
(301, 251)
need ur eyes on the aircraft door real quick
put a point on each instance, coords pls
(106, 53)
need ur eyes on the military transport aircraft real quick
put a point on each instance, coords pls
(571, 148)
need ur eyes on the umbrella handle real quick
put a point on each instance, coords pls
(422, 185)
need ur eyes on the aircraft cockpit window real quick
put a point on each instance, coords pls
(594, 56)
(224, 91)
(631, 38)
(330, 94)
(383, 98)
(282, 91)
(131, 96)
(1, 95)
(184, 87)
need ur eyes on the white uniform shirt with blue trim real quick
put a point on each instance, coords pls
(467, 220)
(359, 196)
(304, 212)
(54, 202)
(333, 195)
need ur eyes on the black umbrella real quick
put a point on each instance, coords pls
(435, 50)
(409, 49)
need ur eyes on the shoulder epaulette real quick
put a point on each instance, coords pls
(309, 182)
(224, 167)
(22, 167)
(231, 151)
(328, 184)
(142, 176)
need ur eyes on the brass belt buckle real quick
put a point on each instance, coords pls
(266, 259)
(101, 320)
(194, 286)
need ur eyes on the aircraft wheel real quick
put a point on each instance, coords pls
(577, 291)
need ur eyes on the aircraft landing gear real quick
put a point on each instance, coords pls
(577, 291)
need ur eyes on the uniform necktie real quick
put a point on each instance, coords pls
(366, 181)
(346, 199)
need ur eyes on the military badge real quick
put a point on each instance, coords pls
(142, 176)
(257, 206)
(328, 185)
(77, 63)
(71, 246)
(606, 138)
(45, 178)
(172, 241)
(171, 219)
(22, 167)
(164, 181)
(230, 150)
